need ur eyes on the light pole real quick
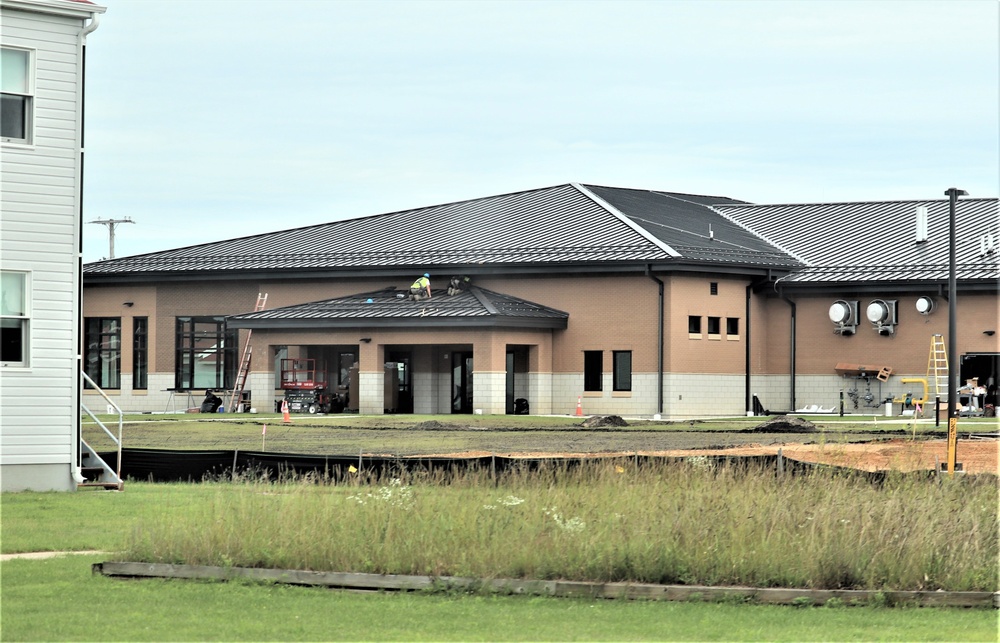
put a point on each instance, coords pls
(953, 363)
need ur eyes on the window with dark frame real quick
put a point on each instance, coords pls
(15, 95)
(732, 325)
(102, 358)
(14, 318)
(140, 353)
(713, 288)
(714, 325)
(593, 370)
(622, 370)
(205, 354)
(694, 324)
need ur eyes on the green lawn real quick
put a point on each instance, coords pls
(60, 600)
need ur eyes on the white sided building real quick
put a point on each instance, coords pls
(41, 179)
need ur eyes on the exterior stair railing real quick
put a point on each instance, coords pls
(103, 475)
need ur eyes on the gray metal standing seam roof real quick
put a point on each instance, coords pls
(587, 225)
(876, 241)
(563, 224)
(382, 308)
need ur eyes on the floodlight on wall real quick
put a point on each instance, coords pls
(844, 315)
(925, 305)
(882, 314)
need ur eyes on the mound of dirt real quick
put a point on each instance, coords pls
(784, 424)
(603, 421)
(434, 425)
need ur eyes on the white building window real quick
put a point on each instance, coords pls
(14, 318)
(16, 95)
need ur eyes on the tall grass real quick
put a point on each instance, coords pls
(610, 521)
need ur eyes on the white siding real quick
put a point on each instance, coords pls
(39, 228)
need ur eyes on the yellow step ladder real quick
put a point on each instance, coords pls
(937, 366)
(241, 376)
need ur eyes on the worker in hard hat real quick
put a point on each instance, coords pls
(458, 284)
(421, 288)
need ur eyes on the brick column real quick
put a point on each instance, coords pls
(489, 375)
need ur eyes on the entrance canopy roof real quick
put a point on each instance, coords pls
(475, 307)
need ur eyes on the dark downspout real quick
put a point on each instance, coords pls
(748, 404)
(659, 343)
(792, 365)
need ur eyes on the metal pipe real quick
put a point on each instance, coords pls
(659, 342)
(791, 367)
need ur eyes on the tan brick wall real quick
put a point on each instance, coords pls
(605, 313)
(818, 349)
(611, 312)
(721, 353)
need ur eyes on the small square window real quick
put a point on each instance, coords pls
(732, 325)
(694, 324)
(714, 325)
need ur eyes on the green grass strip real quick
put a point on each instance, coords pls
(61, 600)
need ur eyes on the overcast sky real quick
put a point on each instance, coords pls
(215, 119)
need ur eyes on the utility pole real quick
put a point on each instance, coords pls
(112, 224)
(954, 363)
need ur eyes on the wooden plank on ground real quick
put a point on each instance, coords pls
(577, 589)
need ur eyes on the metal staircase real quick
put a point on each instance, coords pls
(94, 472)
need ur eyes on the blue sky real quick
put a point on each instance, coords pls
(215, 119)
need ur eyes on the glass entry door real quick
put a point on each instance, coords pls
(402, 361)
(461, 382)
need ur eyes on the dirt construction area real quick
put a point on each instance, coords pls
(898, 454)
(863, 446)
(975, 456)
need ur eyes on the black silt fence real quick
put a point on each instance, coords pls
(165, 465)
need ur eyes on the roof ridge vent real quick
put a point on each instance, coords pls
(921, 224)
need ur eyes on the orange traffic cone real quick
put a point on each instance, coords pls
(579, 407)
(285, 417)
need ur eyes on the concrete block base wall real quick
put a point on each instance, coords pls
(824, 391)
(489, 392)
(701, 395)
(539, 394)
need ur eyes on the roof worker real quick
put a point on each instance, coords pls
(421, 288)
(458, 284)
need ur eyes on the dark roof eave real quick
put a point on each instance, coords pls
(909, 287)
(395, 322)
(408, 271)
